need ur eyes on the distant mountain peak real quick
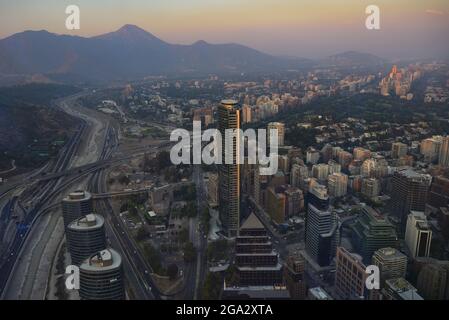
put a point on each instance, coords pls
(31, 33)
(130, 28)
(128, 52)
(130, 32)
(201, 43)
(350, 52)
(43, 31)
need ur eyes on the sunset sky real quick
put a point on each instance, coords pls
(312, 28)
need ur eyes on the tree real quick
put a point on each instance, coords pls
(141, 234)
(183, 236)
(186, 193)
(232, 277)
(189, 210)
(189, 252)
(123, 179)
(217, 250)
(132, 210)
(212, 286)
(172, 271)
(162, 160)
(154, 258)
(158, 163)
(205, 219)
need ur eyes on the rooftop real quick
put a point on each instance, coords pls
(228, 102)
(319, 191)
(78, 195)
(404, 289)
(89, 221)
(106, 259)
(252, 222)
(320, 294)
(389, 253)
(412, 174)
(258, 292)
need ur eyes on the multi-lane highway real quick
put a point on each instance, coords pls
(40, 195)
(41, 192)
(136, 268)
(196, 270)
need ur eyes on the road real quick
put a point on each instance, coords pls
(26, 264)
(135, 266)
(38, 196)
(13, 167)
(24, 272)
(196, 270)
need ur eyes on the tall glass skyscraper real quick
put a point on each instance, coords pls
(409, 192)
(229, 174)
(322, 226)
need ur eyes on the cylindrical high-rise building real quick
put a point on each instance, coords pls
(229, 173)
(77, 204)
(85, 236)
(101, 276)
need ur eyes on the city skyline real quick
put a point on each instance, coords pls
(286, 28)
(337, 198)
(297, 152)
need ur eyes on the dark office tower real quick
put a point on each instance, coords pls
(371, 232)
(322, 226)
(101, 276)
(409, 192)
(77, 204)
(248, 173)
(85, 236)
(256, 261)
(439, 192)
(433, 279)
(294, 276)
(229, 174)
(260, 187)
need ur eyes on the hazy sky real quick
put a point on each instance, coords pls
(306, 28)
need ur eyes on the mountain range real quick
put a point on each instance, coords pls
(131, 52)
